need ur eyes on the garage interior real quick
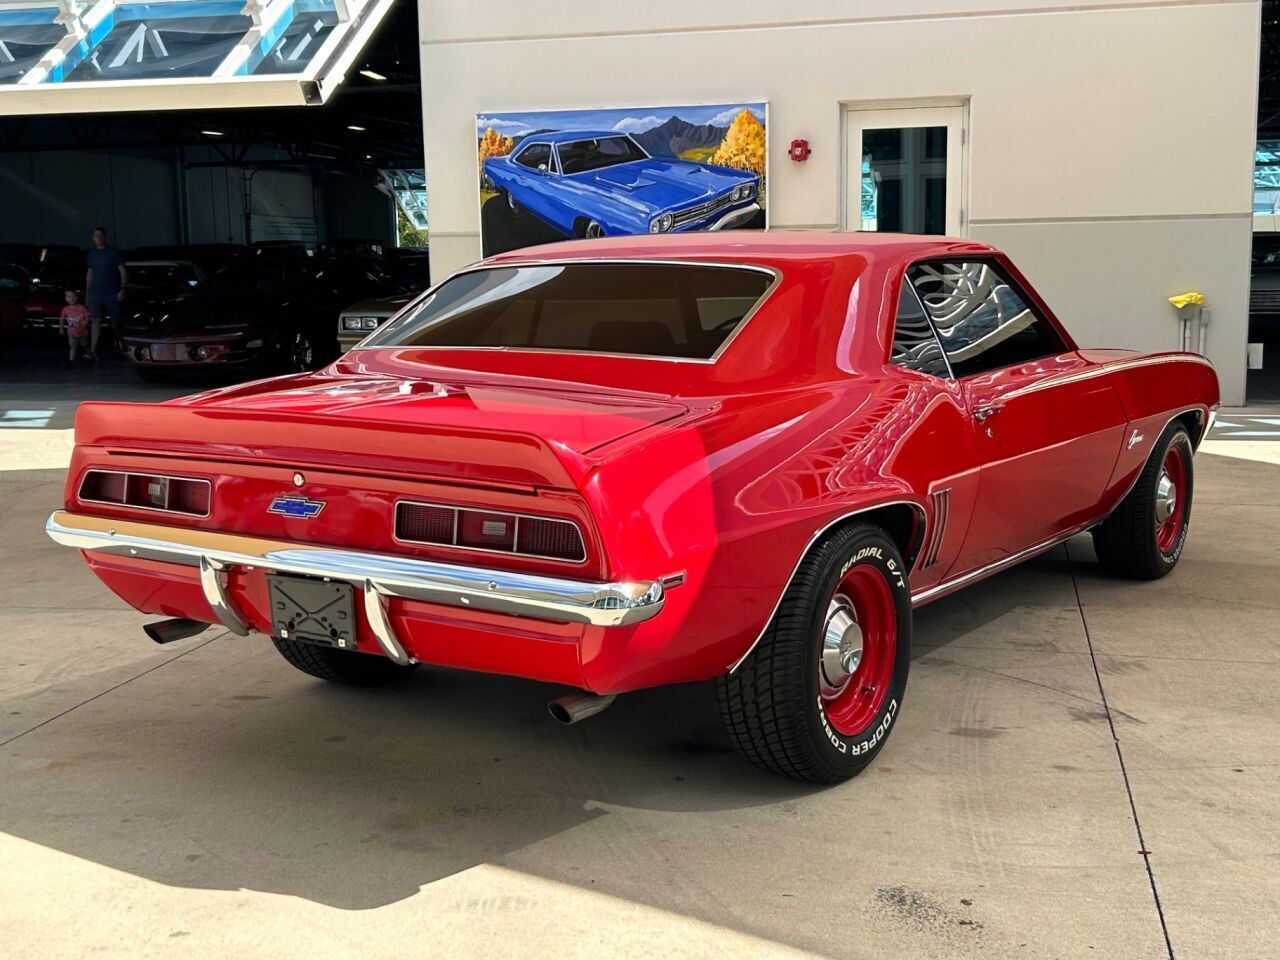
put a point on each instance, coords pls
(1086, 769)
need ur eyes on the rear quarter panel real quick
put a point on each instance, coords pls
(1153, 389)
(732, 502)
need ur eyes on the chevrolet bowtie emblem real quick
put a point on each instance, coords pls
(300, 508)
(1134, 438)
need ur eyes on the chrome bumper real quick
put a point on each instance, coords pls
(735, 217)
(376, 575)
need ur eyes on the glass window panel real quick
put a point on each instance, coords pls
(980, 320)
(905, 170)
(23, 43)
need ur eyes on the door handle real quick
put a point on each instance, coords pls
(984, 410)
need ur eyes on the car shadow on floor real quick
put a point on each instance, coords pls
(225, 769)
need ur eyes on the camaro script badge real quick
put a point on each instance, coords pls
(1136, 437)
(299, 508)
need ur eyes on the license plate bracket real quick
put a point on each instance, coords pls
(313, 611)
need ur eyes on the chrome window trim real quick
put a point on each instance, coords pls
(946, 360)
(764, 298)
(525, 148)
(458, 508)
(84, 478)
(992, 262)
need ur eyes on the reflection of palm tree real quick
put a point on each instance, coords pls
(971, 305)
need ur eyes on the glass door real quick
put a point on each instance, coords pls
(903, 170)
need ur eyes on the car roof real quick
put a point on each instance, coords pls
(568, 136)
(750, 245)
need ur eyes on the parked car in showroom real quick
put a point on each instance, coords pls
(257, 316)
(54, 264)
(15, 287)
(360, 319)
(631, 462)
(594, 183)
(208, 257)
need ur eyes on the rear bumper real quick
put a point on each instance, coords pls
(377, 576)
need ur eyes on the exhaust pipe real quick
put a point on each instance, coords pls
(578, 706)
(167, 631)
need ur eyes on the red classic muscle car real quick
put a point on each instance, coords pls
(636, 461)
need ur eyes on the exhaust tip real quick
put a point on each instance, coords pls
(167, 631)
(578, 706)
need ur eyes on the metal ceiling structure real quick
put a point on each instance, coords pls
(374, 123)
(409, 189)
(112, 55)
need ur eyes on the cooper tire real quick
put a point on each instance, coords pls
(341, 666)
(800, 704)
(1144, 536)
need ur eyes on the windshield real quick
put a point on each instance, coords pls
(161, 275)
(645, 309)
(583, 155)
(256, 276)
(12, 278)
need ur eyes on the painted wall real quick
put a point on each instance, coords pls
(1110, 145)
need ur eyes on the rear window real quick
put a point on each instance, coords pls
(645, 309)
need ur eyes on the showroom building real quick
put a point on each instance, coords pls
(1110, 159)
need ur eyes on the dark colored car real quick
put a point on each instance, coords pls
(51, 270)
(15, 286)
(209, 257)
(257, 316)
(52, 265)
(410, 267)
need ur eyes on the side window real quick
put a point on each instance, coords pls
(981, 322)
(716, 313)
(535, 154)
(914, 345)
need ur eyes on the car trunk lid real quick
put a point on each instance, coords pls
(466, 433)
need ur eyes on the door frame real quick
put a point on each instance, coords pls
(954, 111)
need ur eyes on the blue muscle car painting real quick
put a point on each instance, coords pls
(544, 177)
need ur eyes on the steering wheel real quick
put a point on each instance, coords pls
(724, 326)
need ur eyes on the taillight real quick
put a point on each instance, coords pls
(545, 538)
(146, 491)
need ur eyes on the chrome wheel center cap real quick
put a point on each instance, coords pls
(1166, 498)
(841, 647)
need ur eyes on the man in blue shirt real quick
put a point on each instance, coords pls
(103, 285)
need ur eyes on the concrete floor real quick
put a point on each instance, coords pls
(1083, 768)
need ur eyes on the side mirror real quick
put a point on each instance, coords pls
(542, 169)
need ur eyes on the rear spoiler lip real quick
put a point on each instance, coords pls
(466, 455)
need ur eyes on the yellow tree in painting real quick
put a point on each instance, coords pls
(494, 144)
(743, 146)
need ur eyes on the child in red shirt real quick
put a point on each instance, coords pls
(74, 322)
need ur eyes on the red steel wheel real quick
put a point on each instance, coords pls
(859, 647)
(817, 696)
(1171, 505)
(1144, 536)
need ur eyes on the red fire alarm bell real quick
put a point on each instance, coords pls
(799, 150)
